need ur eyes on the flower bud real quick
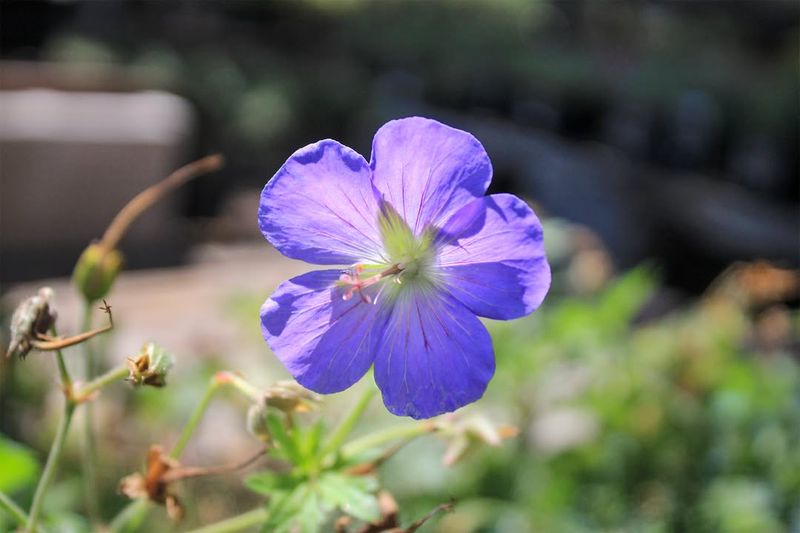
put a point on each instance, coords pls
(151, 366)
(289, 396)
(32, 318)
(96, 270)
(465, 435)
(257, 422)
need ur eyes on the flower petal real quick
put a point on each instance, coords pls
(320, 207)
(325, 342)
(435, 355)
(427, 170)
(492, 257)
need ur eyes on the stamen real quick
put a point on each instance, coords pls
(355, 284)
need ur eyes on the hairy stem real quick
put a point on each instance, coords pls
(236, 523)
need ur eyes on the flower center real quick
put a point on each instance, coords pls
(409, 260)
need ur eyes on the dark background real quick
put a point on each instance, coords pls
(670, 128)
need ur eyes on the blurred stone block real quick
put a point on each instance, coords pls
(70, 160)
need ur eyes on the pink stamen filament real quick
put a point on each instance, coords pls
(357, 285)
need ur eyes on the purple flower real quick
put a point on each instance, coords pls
(424, 253)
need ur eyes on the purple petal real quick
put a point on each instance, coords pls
(325, 342)
(492, 257)
(435, 355)
(427, 170)
(320, 207)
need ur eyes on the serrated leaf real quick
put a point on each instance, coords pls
(353, 495)
(312, 513)
(300, 510)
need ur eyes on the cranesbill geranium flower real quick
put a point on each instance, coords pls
(424, 254)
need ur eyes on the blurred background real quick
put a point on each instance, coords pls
(658, 388)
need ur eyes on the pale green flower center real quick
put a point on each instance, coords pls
(409, 263)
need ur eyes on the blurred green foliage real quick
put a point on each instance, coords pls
(669, 426)
(20, 467)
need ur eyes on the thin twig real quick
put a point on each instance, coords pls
(142, 201)
(185, 472)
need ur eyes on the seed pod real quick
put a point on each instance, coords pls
(95, 271)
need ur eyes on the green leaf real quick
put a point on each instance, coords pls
(353, 495)
(309, 442)
(285, 443)
(20, 467)
(299, 510)
(270, 483)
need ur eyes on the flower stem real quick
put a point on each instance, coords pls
(57, 447)
(237, 523)
(239, 383)
(13, 509)
(115, 374)
(88, 443)
(385, 436)
(50, 467)
(190, 427)
(145, 199)
(66, 380)
(349, 422)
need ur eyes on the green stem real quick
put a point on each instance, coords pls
(115, 374)
(349, 422)
(89, 442)
(13, 509)
(66, 380)
(57, 447)
(237, 523)
(194, 420)
(240, 384)
(385, 436)
(50, 467)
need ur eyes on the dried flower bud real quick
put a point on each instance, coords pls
(465, 435)
(154, 484)
(95, 271)
(289, 396)
(162, 471)
(31, 320)
(151, 366)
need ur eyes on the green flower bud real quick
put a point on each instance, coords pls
(95, 271)
(151, 366)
